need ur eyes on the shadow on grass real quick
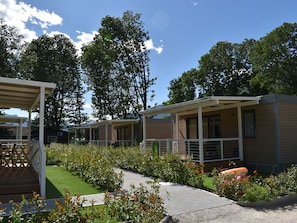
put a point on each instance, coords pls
(52, 191)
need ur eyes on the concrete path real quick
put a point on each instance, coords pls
(178, 199)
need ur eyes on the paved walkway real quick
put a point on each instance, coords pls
(178, 199)
(189, 205)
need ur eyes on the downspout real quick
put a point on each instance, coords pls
(240, 141)
(200, 131)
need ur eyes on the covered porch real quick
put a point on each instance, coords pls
(22, 160)
(115, 133)
(207, 130)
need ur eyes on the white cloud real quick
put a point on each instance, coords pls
(18, 14)
(83, 38)
(150, 46)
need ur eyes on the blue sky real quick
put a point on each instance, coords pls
(181, 31)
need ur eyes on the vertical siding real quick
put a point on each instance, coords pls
(159, 128)
(229, 127)
(288, 132)
(261, 149)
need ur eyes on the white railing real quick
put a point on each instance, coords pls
(217, 149)
(104, 143)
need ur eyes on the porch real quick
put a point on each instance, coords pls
(22, 160)
(19, 169)
(201, 131)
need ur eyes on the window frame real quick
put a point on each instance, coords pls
(249, 123)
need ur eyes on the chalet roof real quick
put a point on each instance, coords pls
(22, 94)
(211, 103)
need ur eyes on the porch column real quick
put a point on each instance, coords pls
(240, 142)
(106, 135)
(90, 135)
(132, 134)
(144, 132)
(177, 132)
(75, 135)
(41, 141)
(29, 125)
(21, 129)
(200, 131)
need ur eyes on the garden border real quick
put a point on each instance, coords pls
(280, 201)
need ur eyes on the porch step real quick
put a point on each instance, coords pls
(16, 182)
(16, 192)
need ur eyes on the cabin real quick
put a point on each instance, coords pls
(51, 135)
(258, 132)
(124, 132)
(23, 161)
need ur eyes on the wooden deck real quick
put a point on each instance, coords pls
(17, 182)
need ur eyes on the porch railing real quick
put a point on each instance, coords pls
(24, 153)
(217, 149)
(102, 143)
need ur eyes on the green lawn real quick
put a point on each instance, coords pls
(58, 179)
(208, 183)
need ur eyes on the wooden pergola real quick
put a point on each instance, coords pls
(30, 96)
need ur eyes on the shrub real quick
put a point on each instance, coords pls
(90, 163)
(256, 193)
(138, 205)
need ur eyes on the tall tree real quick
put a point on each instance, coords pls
(117, 65)
(52, 59)
(183, 88)
(275, 60)
(75, 110)
(10, 46)
(226, 70)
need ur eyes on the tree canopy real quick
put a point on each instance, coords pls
(116, 63)
(10, 47)
(53, 59)
(253, 67)
(275, 60)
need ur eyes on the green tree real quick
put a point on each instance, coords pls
(183, 88)
(275, 60)
(226, 70)
(10, 47)
(117, 66)
(52, 59)
(75, 111)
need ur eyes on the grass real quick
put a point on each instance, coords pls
(58, 179)
(208, 183)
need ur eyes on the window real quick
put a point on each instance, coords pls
(249, 123)
(211, 127)
(51, 139)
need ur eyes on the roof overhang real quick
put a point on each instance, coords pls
(12, 119)
(22, 94)
(211, 103)
(120, 122)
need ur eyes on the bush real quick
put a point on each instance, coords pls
(90, 163)
(138, 205)
(256, 193)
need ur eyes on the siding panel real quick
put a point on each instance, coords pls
(261, 149)
(288, 132)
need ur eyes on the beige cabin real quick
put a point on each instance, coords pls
(258, 132)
